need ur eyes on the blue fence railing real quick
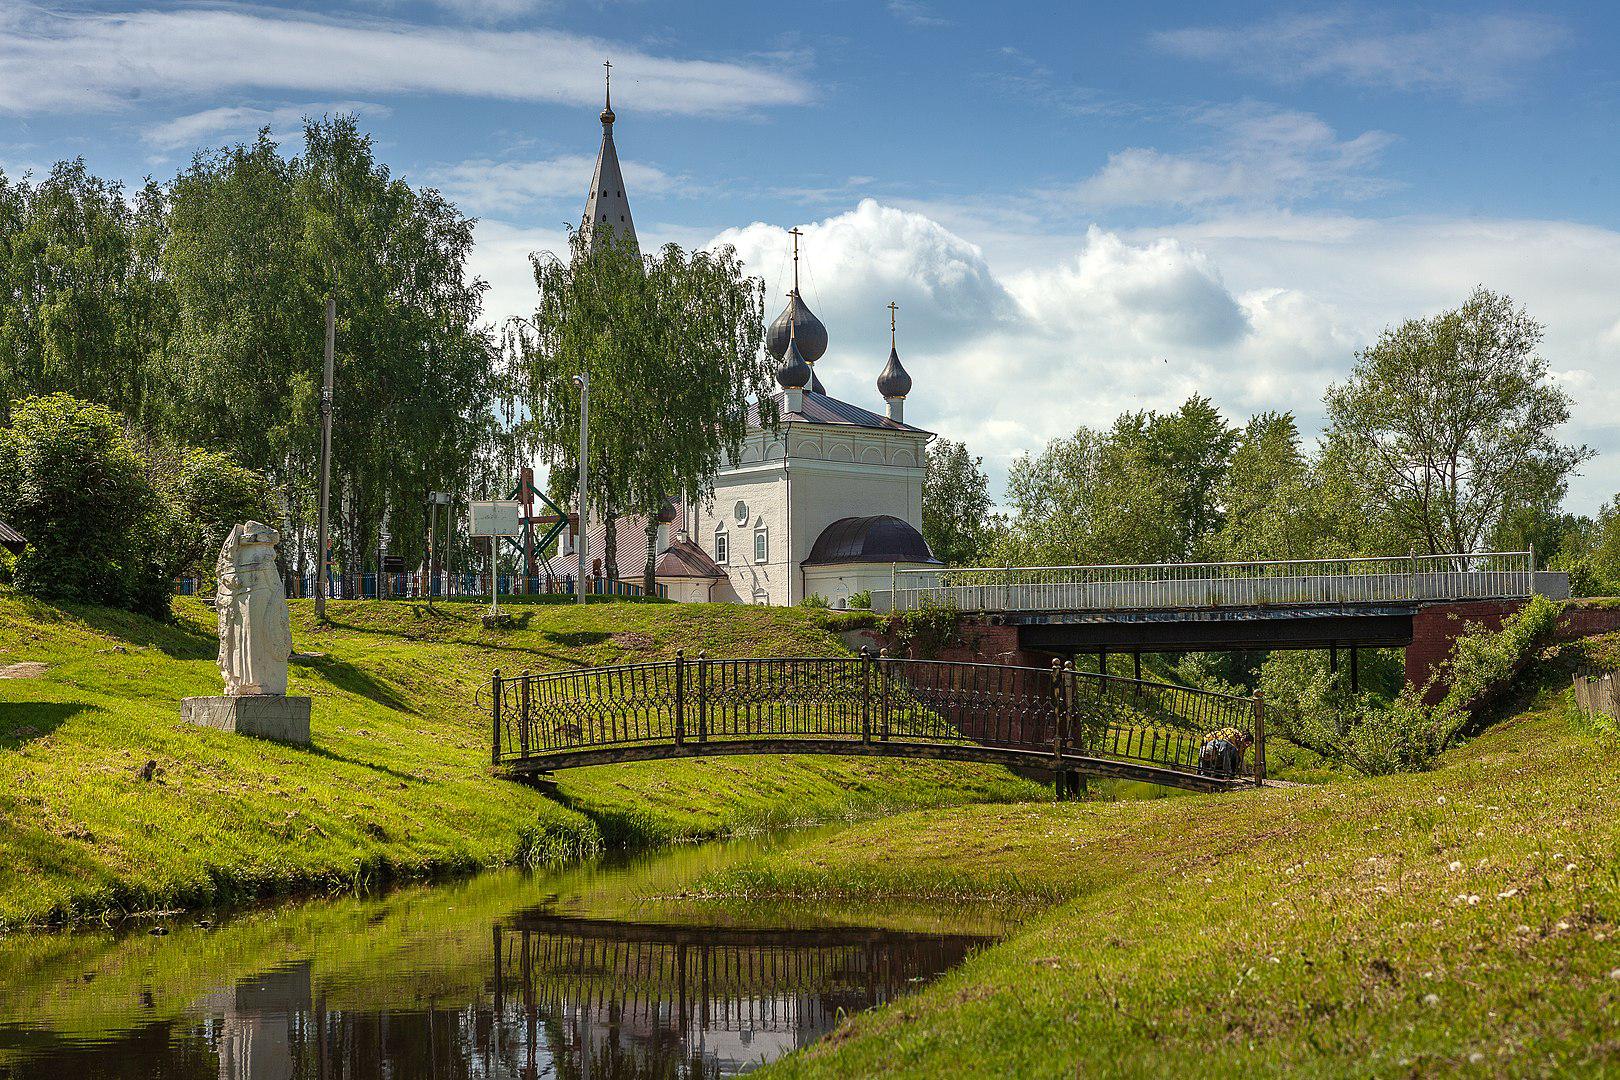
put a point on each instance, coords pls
(420, 586)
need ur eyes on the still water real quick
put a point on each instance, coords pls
(594, 971)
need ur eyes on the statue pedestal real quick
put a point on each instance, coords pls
(265, 716)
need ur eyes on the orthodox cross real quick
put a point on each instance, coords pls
(893, 307)
(795, 233)
(609, 65)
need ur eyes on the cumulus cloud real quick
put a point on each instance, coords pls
(196, 129)
(97, 60)
(491, 187)
(1259, 154)
(1469, 55)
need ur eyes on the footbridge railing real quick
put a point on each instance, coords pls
(1057, 718)
(1486, 575)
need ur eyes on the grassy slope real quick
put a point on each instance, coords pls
(398, 782)
(1460, 920)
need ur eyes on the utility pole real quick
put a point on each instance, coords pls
(326, 458)
(436, 499)
(584, 383)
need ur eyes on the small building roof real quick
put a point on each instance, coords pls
(684, 559)
(821, 409)
(883, 538)
(11, 539)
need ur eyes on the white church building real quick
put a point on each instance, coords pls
(827, 504)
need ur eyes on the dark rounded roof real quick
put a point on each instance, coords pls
(794, 372)
(799, 322)
(894, 382)
(883, 538)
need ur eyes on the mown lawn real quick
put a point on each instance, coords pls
(1460, 921)
(109, 804)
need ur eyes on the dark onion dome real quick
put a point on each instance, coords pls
(797, 321)
(668, 512)
(794, 374)
(883, 538)
(894, 382)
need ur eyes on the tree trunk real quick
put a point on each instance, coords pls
(610, 542)
(649, 573)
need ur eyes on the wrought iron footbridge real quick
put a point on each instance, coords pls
(1062, 721)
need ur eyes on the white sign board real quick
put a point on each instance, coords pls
(497, 518)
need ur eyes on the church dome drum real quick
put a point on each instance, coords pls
(880, 539)
(799, 322)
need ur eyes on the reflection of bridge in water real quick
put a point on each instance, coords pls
(719, 1000)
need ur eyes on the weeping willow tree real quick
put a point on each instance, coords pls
(671, 345)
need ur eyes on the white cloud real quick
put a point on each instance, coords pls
(103, 60)
(1261, 154)
(1472, 56)
(196, 129)
(916, 13)
(494, 187)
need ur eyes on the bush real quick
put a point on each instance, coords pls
(861, 601)
(927, 628)
(814, 600)
(77, 489)
(108, 521)
(1309, 706)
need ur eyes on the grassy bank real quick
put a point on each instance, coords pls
(109, 804)
(1460, 920)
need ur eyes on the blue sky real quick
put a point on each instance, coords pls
(1080, 208)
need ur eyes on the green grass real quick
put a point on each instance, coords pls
(109, 804)
(1462, 920)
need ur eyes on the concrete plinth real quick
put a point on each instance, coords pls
(265, 716)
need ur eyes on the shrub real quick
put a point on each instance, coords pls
(814, 600)
(861, 601)
(927, 628)
(1316, 709)
(76, 488)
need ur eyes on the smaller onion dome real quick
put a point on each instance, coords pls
(794, 374)
(668, 512)
(893, 382)
(797, 321)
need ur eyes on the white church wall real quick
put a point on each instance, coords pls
(840, 581)
(762, 489)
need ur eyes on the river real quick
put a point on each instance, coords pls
(609, 969)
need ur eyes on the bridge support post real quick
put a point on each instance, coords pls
(866, 694)
(1259, 738)
(680, 697)
(703, 697)
(495, 714)
(523, 722)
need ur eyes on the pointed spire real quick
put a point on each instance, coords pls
(607, 210)
(894, 383)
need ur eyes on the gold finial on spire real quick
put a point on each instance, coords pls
(893, 307)
(607, 107)
(795, 233)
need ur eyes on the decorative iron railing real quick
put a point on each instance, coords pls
(1389, 579)
(685, 705)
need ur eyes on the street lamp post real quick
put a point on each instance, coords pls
(584, 383)
(436, 499)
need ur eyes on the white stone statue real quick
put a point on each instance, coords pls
(255, 635)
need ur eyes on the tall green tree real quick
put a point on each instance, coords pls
(671, 345)
(955, 504)
(1450, 421)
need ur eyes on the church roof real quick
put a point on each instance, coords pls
(684, 559)
(883, 538)
(607, 207)
(821, 409)
(11, 539)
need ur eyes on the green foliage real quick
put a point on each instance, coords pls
(1143, 491)
(208, 493)
(861, 600)
(76, 487)
(956, 504)
(671, 345)
(1377, 735)
(1450, 422)
(927, 628)
(814, 600)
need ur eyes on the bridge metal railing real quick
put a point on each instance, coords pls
(1381, 579)
(1055, 714)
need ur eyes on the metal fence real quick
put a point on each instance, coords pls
(1384, 579)
(416, 586)
(553, 719)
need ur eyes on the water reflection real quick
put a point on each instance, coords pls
(564, 975)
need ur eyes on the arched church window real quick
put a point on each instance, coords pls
(762, 547)
(722, 546)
